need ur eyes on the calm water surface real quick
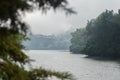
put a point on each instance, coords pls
(82, 68)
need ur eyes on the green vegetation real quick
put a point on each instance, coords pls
(78, 40)
(13, 31)
(101, 36)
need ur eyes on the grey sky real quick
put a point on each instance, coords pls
(55, 23)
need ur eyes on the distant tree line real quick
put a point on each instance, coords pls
(50, 42)
(101, 36)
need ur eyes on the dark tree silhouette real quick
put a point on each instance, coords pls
(13, 31)
(102, 36)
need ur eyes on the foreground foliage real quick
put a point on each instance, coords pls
(13, 31)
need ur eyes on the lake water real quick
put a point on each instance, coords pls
(82, 68)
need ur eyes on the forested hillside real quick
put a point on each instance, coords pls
(50, 42)
(101, 37)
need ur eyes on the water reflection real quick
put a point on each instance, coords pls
(83, 68)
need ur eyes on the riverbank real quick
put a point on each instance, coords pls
(103, 58)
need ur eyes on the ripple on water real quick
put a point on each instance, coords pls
(83, 68)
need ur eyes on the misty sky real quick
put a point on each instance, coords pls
(58, 22)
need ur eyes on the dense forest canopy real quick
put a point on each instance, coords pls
(78, 40)
(101, 37)
(13, 31)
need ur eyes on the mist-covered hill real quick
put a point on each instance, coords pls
(50, 42)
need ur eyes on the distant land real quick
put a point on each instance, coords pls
(48, 42)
